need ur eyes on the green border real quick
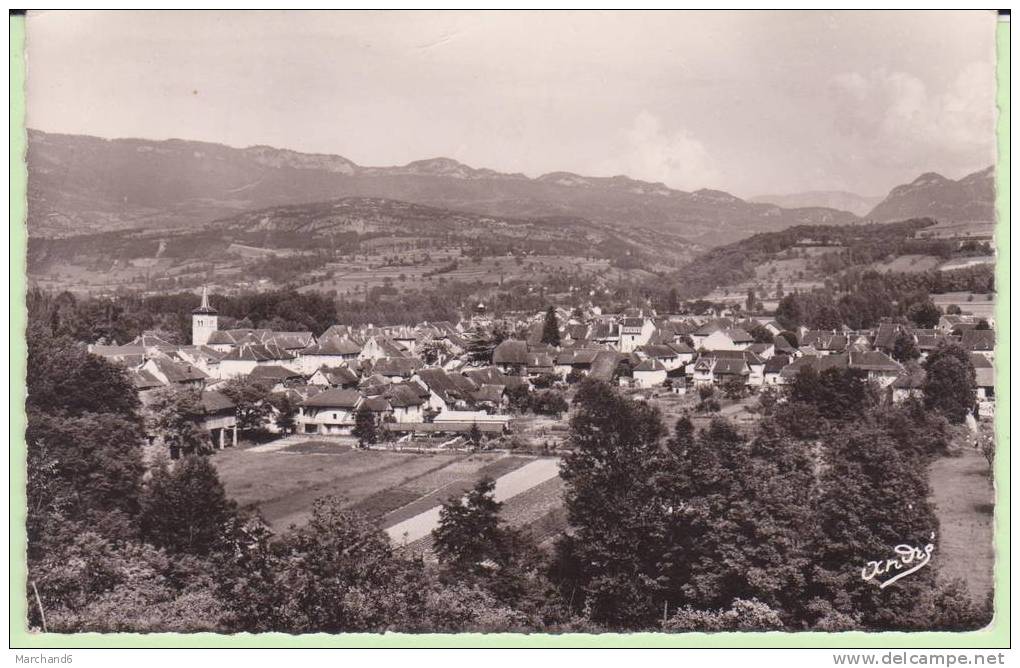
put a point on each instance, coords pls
(995, 636)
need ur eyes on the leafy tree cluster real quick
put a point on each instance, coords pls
(716, 530)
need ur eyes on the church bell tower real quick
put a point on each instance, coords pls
(203, 322)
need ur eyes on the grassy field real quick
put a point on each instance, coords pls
(963, 497)
(388, 486)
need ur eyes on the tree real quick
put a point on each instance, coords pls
(925, 314)
(549, 402)
(953, 309)
(551, 328)
(788, 312)
(184, 507)
(366, 430)
(286, 411)
(905, 348)
(608, 557)
(761, 334)
(734, 388)
(518, 397)
(341, 575)
(176, 415)
(837, 394)
(827, 317)
(870, 478)
(949, 382)
(743, 615)
(475, 435)
(982, 324)
(252, 402)
(751, 302)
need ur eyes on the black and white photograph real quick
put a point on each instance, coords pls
(531, 322)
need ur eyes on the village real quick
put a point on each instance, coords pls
(437, 386)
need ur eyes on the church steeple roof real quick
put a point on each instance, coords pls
(204, 309)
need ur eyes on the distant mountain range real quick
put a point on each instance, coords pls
(971, 199)
(859, 205)
(85, 185)
(80, 184)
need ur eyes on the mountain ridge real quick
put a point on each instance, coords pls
(83, 184)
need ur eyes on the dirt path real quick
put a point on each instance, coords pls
(507, 487)
(964, 499)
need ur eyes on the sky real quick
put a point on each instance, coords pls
(753, 103)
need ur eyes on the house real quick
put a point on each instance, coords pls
(220, 419)
(666, 355)
(634, 332)
(330, 352)
(685, 354)
(293, 342)
(378, 406)
(979, 341)
(170, 372)
(406, 402)
(826, 343)
(947, 323)
(909, 384)
(763, 350)
(773, 368)
(984, 376)
(205, 358)
(720, 366)
(396, 369)
(606, 334)
(145, 383)
(340, 376)
(378, 347)
(885, 336)
(329, 412)
(879, 367)
(539, 364)
(726, 339)
(579, 360)
(649, 373)
(511, 356)
(243, 359)
(276, 376)
(446, 391)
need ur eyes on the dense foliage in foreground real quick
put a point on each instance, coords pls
(688, 530)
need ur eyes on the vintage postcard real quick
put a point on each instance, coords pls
(591, 328)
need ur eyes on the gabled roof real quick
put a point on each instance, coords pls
(817, 362)
(984, 371)
(397, 366)
(885, 335)
(403, 395)
(488, 375)
(776, 364)
(333, 346)
(340, 375)
(257, 352)
(823, 340)
(334, 398)
(273, 372)
(511, 351)
(177, 372)
(377, 404)
(658, 351)
(449, 387)
(979, 339)
(873, 360)
(143, 380)
(216, 402)
(650, 364)
(292, 340)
